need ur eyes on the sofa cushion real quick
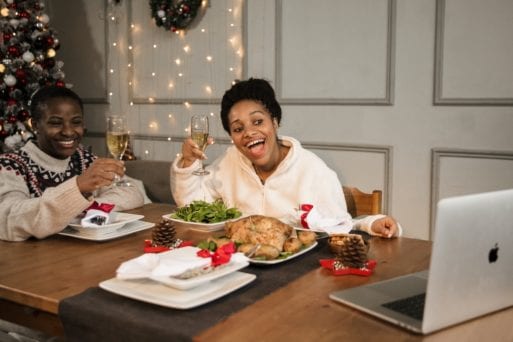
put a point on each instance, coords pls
(155, 176)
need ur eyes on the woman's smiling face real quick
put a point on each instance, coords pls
(253, 131)
(60, 128)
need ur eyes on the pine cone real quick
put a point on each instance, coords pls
(349, 249)
(163, 234)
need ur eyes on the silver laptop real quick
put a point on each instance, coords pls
(470, 269)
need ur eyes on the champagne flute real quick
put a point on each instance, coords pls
(117, 141)
(199, 134)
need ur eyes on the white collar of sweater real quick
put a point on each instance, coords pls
(291, 156)
(45, 160)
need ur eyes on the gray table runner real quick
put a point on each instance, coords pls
(97, 315)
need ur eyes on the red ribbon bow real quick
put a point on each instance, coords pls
(306, 208)
(106, 207)
(150, 248)
(331, 264)
(221, 256)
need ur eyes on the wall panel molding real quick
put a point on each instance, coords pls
(466, 74)
(486, 158)
(340, 99)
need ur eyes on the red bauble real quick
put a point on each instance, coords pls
(20, 74)
(11, 102)
(60, 83)
(4, 134)
(13, 51)
(7, 37)
(49, 41)
(12, 119)
(24, 14)
(23, 115)
(185, 8)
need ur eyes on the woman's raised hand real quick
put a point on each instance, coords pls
(191, 151)
(99, 174)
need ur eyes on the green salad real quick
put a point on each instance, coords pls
(204, 212)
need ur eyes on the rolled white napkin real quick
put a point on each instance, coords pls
(316, 221)
(95, 218)
(171, 263)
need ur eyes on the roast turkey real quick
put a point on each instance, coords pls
(258, 229)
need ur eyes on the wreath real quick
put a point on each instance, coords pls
(174, 14)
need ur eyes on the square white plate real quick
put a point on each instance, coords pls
(278, 261)
(149, 291)
(185, 284)
(120, 219)
(205, 227)
(126, 229)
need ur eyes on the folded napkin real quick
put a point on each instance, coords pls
(98, 215)
(170, 264)
(313, 219)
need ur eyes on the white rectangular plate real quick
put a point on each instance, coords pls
(123, 231)
(149, 291)
(278, 261)
(205, 227)
(120, 220)
(185, 284)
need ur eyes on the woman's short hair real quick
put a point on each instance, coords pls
(39, 100)
(252, 89)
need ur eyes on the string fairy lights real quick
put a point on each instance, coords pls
(172, 74)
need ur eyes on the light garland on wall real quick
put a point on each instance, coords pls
(180, 65)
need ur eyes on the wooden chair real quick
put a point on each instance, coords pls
(361, 203)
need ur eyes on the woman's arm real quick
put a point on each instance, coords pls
(22, 216)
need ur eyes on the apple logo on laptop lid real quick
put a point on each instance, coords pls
(493, 255)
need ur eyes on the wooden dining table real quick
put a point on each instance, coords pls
(36, 275)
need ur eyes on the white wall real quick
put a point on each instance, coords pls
(410, 96)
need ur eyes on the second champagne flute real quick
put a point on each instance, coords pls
(199, 134)
(117, 141)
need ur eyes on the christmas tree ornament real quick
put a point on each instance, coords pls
(9, 80)
(28, 56)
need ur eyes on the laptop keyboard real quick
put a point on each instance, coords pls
(410, 306)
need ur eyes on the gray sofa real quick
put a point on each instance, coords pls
(154, 175)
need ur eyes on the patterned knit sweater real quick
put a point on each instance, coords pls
(39, 195)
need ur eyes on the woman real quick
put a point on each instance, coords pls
(263, 173)
(51, 180)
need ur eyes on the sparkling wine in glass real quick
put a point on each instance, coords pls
(117, 141)
(199, 134)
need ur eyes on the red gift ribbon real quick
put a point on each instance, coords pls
(149, 248)
(106, 207)
(306, 208)
(222, 255)
(364, 271)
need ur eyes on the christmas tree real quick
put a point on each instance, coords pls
(27, 61)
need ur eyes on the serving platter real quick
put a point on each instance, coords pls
(150, 291)
(280, 260)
